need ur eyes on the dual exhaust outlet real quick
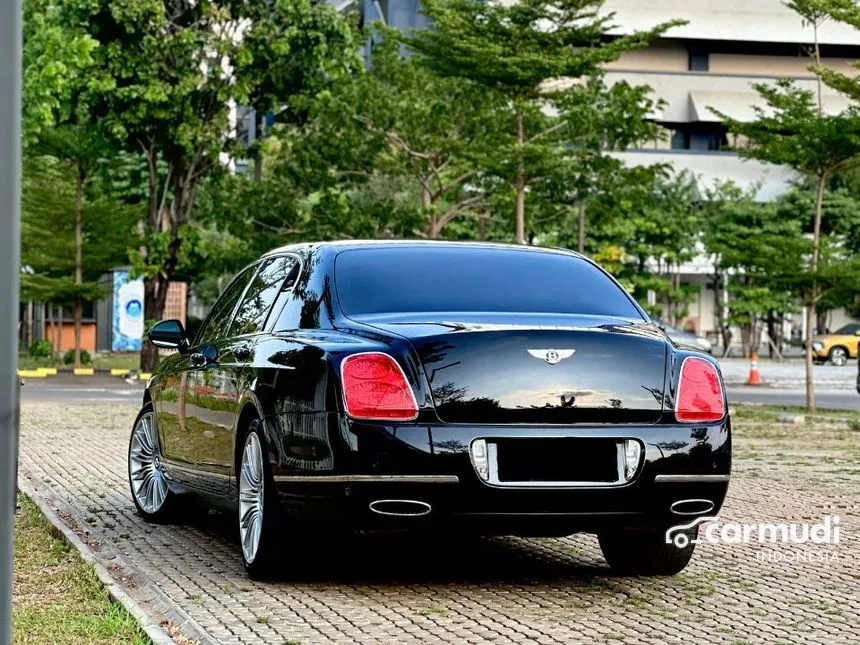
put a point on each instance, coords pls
(415, 508)
(400, 507)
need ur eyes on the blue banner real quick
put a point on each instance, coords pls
(127, 333)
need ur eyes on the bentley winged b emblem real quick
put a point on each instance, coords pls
(552, 356)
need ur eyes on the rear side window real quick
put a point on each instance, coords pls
(218, 321)
(451, 279)
(261, 294)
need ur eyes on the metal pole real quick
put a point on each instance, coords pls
(10, 186)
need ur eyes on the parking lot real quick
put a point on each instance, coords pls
(444, 589)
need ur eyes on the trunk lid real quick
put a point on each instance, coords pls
(559, 369)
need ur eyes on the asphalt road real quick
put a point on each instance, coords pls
(82, 389)
(825, 399)
(110, 389)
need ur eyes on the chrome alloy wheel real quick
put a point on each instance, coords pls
(251, 496)
(838, 356)
(147, 478)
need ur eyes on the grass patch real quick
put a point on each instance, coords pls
(128, 361)
(749, 412)
(57, 597)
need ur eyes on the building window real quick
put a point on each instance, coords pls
(706, 140)
(699, 62)
(680, 140)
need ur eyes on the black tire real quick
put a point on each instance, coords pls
(167, 511)
(265, 562)
(645, 552)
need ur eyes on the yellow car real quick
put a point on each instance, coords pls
(839, 346)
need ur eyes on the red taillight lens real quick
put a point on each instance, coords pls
(375, 387)
(700, 392)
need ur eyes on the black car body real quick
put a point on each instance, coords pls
(517, 391)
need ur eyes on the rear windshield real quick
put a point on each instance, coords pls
(450, 279)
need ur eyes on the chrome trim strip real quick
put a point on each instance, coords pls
(493, 459)
(349, 479)
(170, 465)
(664, 479)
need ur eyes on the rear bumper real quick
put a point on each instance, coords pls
(431, 465)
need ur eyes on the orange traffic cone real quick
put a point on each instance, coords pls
(755, 375)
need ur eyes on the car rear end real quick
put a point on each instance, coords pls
(542, 404)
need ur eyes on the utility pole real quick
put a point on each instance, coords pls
(10, 248)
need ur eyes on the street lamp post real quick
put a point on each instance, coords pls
(10, 184)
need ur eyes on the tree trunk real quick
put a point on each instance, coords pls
(816, 242)
(427, 204)
(772, 332)
(746, 339)
(821, 321)
(51, 332)
(155, 297)
(79, 271)
(521, 183)
(581, 241)
(810, 386)
(810, 310)
(59, 330)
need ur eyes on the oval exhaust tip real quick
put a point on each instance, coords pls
(400, 507)
(692, 507)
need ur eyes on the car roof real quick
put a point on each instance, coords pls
(346, 245)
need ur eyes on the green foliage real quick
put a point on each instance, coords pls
(756, 250)
(41, 349)
(69, 357)
(789, 131)
(48, 234)
(532, 53)
(56, 55)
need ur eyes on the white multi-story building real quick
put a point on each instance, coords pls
(713, 61)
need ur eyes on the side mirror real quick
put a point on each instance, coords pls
(857, 333)
(169, 334)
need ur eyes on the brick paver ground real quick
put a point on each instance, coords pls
(397, 590)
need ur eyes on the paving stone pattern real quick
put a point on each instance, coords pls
(393, 589)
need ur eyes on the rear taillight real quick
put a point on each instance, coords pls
(700, 392)
(375, 387)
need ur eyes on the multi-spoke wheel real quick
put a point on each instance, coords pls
(149, 488)
(258, 507)
(838, 356)
(251, 495)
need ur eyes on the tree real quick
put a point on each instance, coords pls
(55, 57)
(70, 235)
(754, 250)
(659, 238)
(597, 120)
(529, 52)
(165, 77)
(793, 130)
(83, 150)
(434, 129)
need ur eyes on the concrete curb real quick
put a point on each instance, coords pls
(144, 600)
(42, 372)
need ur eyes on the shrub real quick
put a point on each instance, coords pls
(69, 357)
(41, 349)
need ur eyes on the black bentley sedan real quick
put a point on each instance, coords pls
(457, 387)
